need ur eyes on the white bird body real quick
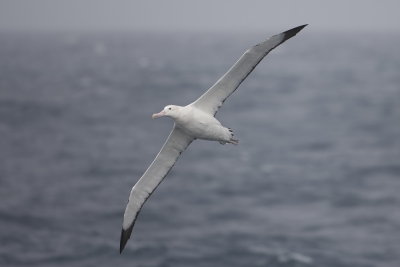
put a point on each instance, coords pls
(195, 121)
(201, 125)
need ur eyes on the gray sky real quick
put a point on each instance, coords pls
(199, 15)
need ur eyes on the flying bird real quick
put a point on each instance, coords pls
(196, 121)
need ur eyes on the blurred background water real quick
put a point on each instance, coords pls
(314, 181)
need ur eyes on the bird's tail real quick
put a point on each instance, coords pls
(232, 140)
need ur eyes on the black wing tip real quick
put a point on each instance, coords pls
(292, 32)
(125, 235)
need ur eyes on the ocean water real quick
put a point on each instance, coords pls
(315, 180)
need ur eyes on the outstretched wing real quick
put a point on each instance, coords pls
(176, 143)
(211, 100)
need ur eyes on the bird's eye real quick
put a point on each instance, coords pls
(169, 108)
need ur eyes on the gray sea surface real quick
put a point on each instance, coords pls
(315, 180)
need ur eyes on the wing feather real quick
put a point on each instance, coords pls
(176, 143)
(214, 97)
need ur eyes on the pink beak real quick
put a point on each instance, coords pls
(158, 115)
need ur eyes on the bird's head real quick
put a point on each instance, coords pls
(169, 111)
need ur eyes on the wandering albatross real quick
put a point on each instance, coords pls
(196, 121)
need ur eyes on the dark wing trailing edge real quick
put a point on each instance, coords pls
(176, 143)
(214, 97)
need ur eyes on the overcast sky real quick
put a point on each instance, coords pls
(199, 15)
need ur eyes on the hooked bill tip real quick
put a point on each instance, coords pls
(158, 115)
